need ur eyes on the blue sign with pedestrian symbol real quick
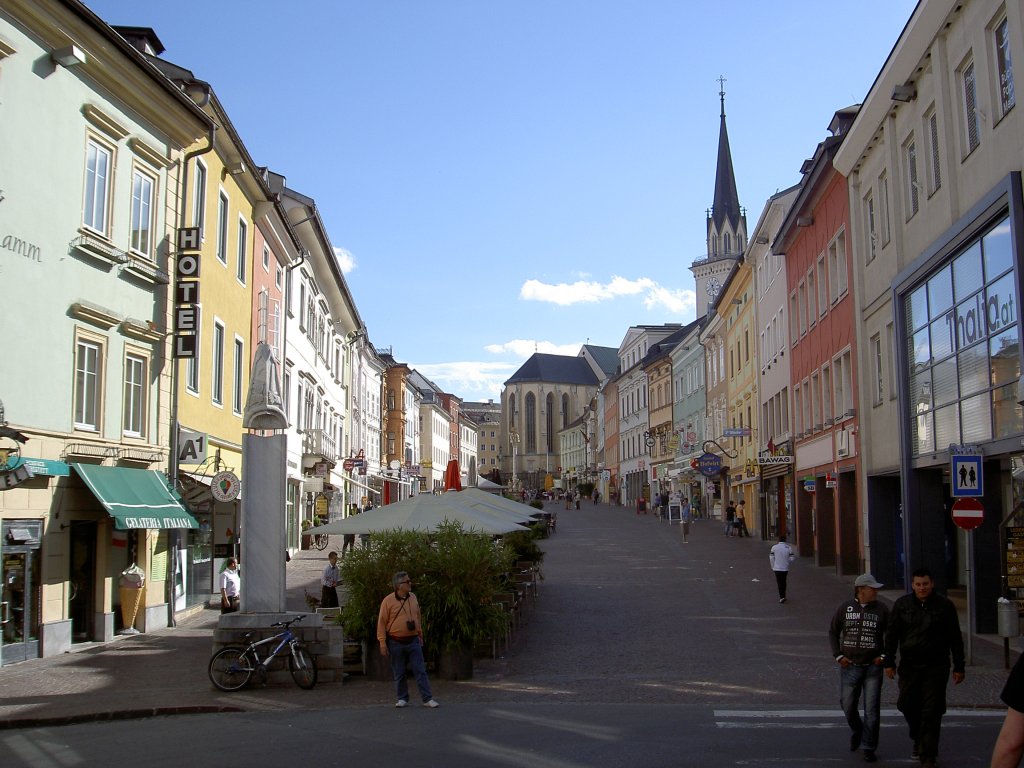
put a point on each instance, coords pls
(968, 480)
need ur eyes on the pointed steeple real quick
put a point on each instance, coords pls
(726, 207)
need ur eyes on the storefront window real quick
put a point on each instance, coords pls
(963, 347)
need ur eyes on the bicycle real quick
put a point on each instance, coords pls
(319, 540)
(232, 667)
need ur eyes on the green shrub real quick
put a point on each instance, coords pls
(454, 576)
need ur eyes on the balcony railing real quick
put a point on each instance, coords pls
(318, 443)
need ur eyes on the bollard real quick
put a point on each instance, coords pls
(1008, 619)
(1008, 625)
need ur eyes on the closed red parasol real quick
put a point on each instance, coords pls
(452, 476)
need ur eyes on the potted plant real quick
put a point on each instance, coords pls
(455, 575)
(304, 541)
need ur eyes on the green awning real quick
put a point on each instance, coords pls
(135, 498)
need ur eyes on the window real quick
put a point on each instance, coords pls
(243, 245)
(134, 396)
(972, 129)
(142, 213)
(837, 267)
(279, 279)
(238, 392)
(869, 225)
(222, 228)
(876, 360)
(808, 424)
(838, 376)
(812, 310)
(822, 286)
(798, 410)
(199, 199)
(98, 161)
(794, 332)
(826, 394)
(890, 336)
(218, 363)
(286, 394)
(88, 384)
(931, 124)
(910, 160)
(962, 372)
(815, 401)
(266, 260)
(883, 208)
(1004, 67)
(801, 305)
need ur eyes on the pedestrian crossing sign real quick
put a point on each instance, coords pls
(968, 479)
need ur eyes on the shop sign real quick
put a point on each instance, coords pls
(830, 480)
(225, 486)
(773, 461)
(12, 478)
(708, 464)
(186, 293)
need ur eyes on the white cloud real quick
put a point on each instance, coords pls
(470, 381)
(523, 348)
(653, 295)
(346, 261)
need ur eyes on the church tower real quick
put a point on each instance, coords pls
(727, 224)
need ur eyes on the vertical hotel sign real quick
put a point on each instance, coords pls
(186, 293)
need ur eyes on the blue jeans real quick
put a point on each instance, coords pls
(855, 679)
(401, 654)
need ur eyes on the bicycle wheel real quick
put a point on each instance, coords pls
(320, 541)
(303, 667)
(231, 668)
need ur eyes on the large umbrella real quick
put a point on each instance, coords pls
(482, 500)
(425, 512)
(452, 476)
(486, 485)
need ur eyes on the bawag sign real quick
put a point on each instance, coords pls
(186, 293)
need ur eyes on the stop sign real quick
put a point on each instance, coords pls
(968, 513)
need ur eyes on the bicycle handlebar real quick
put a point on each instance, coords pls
(287, 624)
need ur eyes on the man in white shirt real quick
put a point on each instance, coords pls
(781, 556)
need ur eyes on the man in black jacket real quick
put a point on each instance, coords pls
(857, 635)
(925, 628)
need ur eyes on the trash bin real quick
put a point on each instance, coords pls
(1008, 618)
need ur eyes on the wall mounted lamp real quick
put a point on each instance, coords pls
(804, 221)
(235, 168)
(737, 302)
(68, 56)
(904, 93)
(761, 240)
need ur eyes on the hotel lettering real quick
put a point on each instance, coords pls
(186, 294)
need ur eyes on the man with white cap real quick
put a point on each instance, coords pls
(857, 635)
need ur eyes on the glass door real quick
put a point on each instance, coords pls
(19, 606)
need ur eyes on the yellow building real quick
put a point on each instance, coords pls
(736, 310)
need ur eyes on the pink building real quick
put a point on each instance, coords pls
(815, 240)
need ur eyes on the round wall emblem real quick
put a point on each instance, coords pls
(225, 486)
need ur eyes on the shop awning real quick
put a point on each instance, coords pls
(135, 498)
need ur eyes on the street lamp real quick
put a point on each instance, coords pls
(513, 439)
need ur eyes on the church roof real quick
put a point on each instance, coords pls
(555, 369)
(606, 357)
(726, 206)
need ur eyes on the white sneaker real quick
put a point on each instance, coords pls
(433, 704)
(401, 703)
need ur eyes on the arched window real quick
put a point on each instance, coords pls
(727, 242)
(511, 414)
(565, 411)
(531, 423)
(549, 422)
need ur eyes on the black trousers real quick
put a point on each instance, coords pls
(780, 581)
(328, 597)
(922, 700)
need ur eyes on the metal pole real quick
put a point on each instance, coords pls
(970, 597)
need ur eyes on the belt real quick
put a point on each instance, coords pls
(403, 640)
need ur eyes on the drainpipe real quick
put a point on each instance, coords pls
(172, 463)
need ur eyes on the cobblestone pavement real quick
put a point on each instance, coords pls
(626, 613)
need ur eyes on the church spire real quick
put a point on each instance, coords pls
(725, 211)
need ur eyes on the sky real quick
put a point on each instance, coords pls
(504, 177)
